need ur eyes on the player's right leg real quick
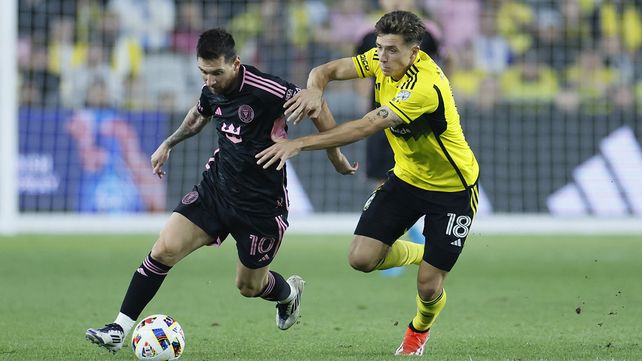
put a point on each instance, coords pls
(387, 214)
(178, 238)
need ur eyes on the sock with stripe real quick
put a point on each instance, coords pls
(277, 289)
(402, 253)
(143, 287)
(427, 312)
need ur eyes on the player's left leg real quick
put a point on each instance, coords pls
(271, 286)
(447, 226)
(178, 238)
(258, 241)
(430, 299)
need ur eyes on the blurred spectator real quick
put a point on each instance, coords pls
(592, 80)
(489, 93)
(529, 81)
(619, 18)
(41, 86)
(491, 51)
(149, 22)
(189, 25)
(466, 80)
(549, 41)
(347, 24)
(279, 38)
(459, 19)
(76, 81)
(516, 22)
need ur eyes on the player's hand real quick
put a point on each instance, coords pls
(306, 102)
(280, 151)
(341, 164)
(159, 158)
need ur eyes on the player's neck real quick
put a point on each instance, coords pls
(397, 77)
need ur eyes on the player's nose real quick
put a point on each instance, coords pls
(210, 80)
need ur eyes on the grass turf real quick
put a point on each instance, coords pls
(509, 298)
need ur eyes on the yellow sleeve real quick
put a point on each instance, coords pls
(366, 63)
(411, 104)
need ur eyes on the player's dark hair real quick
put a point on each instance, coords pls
(403, 23)
(214, 43)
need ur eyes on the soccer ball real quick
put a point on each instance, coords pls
(158, 338)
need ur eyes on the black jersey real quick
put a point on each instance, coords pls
(247, 121)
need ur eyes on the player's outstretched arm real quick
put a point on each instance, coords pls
(308, 101)
(325, 121)
(343, 134)
(191, 125)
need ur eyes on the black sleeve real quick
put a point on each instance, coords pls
(430, 46)
(290, 90)
(203, 106)
(367, 42)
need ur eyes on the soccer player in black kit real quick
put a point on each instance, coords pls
(235, 197)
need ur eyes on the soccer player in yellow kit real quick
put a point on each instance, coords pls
(435, 172)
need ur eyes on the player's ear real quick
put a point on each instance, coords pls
(237, 63)
(415, 50)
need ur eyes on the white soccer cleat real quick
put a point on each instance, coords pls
(288, 313)
(110, 337)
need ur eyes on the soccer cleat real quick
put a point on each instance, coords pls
(413, 343)
(288, 313)
(110, 337)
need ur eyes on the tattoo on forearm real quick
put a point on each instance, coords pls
(179, 135)
(382, 113)
(192, 124)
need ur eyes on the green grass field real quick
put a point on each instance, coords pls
(509, 298)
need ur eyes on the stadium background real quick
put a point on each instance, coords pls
(549, 94)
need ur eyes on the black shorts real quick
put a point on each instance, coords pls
(258, 238)
(396, 206)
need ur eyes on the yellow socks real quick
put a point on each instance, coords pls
(427, 311)
(402, 253)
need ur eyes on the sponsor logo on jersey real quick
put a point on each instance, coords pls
(364, 62)
(400, 130)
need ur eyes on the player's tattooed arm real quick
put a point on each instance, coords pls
(384, 117)
(192, 124)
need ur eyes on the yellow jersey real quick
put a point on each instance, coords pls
(430, 149)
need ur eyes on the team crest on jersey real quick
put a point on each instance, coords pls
(246, 113)
(402, 95)
(190, 197)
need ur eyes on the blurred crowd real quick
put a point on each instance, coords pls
(140, 55)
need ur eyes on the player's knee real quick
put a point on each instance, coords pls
(429, 290)
(165, 252)
(360, 263)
